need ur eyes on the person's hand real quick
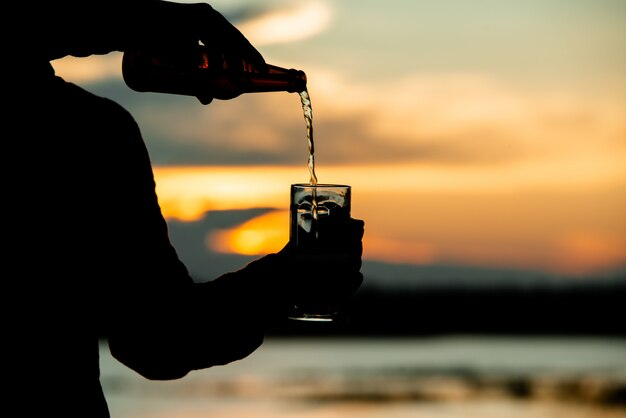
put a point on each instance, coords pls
(199, 23)
(331, 273)
(224, 38)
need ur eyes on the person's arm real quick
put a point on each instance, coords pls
(86, 28)
(157, 319)
(201, 325)
(163, 324)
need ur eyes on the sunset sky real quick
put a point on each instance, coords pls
(489, 133)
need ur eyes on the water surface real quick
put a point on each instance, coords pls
(448, 377)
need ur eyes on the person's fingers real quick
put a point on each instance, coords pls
(358, 227)
(220, 33)
(354, 241)
(355, 284)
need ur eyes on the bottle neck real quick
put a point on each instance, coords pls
(276, 79)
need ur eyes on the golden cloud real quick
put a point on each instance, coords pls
(300, 21)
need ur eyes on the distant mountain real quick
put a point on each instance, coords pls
(411, 276)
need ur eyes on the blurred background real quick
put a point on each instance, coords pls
(485, 143)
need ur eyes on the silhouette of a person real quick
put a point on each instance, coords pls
(87, 254)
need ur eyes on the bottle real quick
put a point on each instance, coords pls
(199, 72)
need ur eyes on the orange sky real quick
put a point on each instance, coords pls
(490, 134)
(499, 219)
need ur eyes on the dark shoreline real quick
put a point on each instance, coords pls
(568, 310)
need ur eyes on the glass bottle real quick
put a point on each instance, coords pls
(199, 72)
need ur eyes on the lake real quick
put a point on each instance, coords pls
(438, 377)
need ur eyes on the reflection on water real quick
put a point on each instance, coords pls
(444, 377)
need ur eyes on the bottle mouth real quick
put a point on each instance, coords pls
(301, 81)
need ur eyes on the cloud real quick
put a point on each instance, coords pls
(455, 119)
(467, 118)
(292, 23)
(449, 119)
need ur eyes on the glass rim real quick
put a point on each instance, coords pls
(321, 185)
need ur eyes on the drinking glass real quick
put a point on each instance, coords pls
(317, 214)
